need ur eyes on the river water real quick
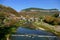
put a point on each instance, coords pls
(28, 34)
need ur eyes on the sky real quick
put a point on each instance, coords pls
(18, 5)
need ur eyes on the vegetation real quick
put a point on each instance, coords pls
(47, 27)
(53, 20)
(56, 14)
(48, 19)
(9, 20)
(6, 22)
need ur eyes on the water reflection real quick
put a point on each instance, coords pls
(32, 37)
(28, 34)
(21, 30)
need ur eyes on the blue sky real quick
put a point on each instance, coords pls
(22, 4)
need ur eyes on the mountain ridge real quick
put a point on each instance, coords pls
(28, 9)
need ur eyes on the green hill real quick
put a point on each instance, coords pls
(38, 11)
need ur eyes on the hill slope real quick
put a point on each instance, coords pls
(38, 11)
(8, 10)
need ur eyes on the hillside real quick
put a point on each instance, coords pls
(8, 10)
(8, 13)
(38, 11)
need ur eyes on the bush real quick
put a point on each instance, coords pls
(56, 21)
(52, 20)
(49, 19)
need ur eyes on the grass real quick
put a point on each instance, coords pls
(47, 27)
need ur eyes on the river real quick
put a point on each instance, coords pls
(30, 34)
